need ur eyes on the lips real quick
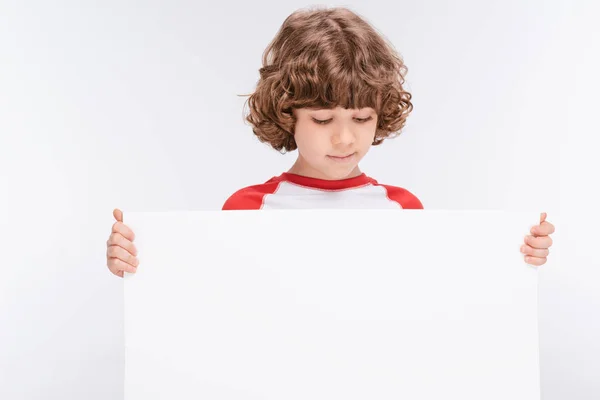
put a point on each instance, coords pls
(341, 157)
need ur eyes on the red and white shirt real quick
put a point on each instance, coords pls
(291, 191)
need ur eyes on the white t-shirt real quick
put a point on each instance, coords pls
(291, 191)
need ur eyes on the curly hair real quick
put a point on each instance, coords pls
(324, 58)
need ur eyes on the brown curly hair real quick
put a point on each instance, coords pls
(324, 58)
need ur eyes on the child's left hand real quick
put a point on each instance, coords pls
(536, 247)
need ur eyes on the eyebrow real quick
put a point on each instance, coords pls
(369, 109)
(359, 112)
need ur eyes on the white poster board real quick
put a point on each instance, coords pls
(322, 305)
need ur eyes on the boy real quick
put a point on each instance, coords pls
(330, 87)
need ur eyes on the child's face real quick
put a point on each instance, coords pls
(333, 148)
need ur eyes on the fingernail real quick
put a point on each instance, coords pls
(522, 249)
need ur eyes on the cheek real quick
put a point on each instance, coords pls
(367, 137)
(312, 144)
(309, 138)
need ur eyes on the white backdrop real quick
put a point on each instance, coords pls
(133, 105)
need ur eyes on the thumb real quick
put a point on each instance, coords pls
(543, 217)
(118, 214)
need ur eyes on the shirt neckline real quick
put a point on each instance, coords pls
(324, 184)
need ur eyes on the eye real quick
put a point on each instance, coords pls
(324, 122)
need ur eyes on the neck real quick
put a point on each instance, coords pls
(301, 167)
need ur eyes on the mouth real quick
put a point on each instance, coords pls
(342, 158)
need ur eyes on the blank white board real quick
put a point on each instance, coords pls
(322, 304)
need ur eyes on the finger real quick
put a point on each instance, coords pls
(544, 229)
(123, 230)
(543, 217)
(536, 261)
(116, 239)
(122, 254)
(118, 214)
(542, 242)
(112, 268)
(116, 265)
(530, 251)
(549, 228)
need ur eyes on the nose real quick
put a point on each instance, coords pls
(343, 136)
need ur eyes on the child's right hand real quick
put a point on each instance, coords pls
(120, 251)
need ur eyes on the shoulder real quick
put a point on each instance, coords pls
(402, 196)
(251, 197)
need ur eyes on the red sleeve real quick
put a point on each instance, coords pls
(251, 197)
(403, 197)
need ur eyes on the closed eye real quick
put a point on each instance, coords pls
(324, 122)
